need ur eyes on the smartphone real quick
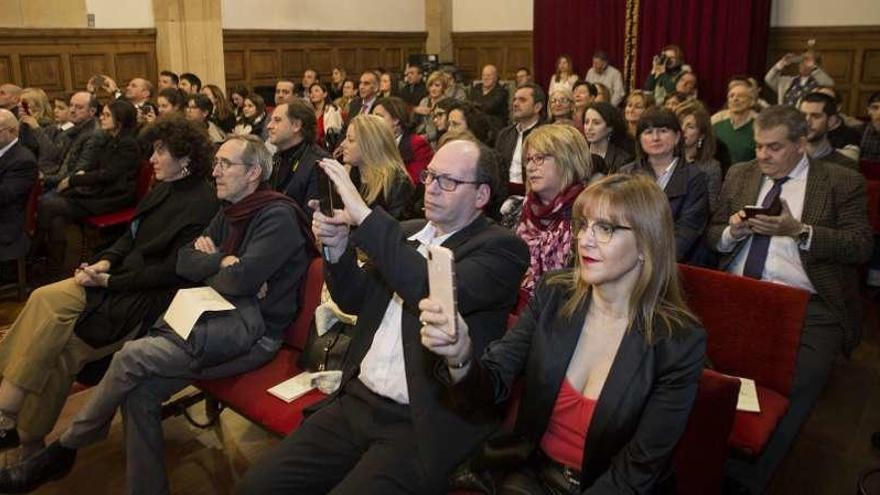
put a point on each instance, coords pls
(441, 285)
(771, 211)
(327, 194)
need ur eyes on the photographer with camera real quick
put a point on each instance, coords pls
(790, 89)
(667, 67)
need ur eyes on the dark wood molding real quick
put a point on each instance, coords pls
(851, 55)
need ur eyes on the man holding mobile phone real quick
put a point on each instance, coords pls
(816, 242)
(387, 430)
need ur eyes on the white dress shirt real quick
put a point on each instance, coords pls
(516, 168)
(383, 370)
(6, 148)
(611, 79)
(783, 264)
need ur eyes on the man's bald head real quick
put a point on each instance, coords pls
(10, 95)
(8, 127)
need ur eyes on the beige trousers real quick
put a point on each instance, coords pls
(41, 355)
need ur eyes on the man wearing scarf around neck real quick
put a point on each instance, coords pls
(255, 253)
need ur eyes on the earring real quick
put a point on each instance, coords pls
(641, 258)
(184, 169)
(700, 143)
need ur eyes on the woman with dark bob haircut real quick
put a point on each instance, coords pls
(68, 324)
(660, 156)
(608, 353)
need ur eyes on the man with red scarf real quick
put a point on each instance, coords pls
(255, 253)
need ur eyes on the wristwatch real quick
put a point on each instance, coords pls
(803, 236)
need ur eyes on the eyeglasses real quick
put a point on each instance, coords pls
(602, 231)
(537, 159)
(437, 114)
(445, 182)
(559, 101)
(225, 164)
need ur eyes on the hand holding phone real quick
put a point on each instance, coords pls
(327, 194)
(752, 211)
(441, 285)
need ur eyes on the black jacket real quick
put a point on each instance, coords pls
(18, 172)
(505, 145)
(616, 158)
(640, 414)
(412, 94)
(295, 174)
(489, 263)
(688, 195)
(142, 262)
(107, 182)
(495, 103)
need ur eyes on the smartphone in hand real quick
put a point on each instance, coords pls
(751, 211)
(327, 194)
(441, 285)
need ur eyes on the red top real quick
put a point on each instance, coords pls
(566, 432)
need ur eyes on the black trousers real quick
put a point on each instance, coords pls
(360, 443)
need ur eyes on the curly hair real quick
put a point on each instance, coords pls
(183, 139)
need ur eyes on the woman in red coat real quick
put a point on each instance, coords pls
(414, 149)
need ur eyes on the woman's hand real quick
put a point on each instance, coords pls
(422, 110)
(355, 207)
(455, 349)
(64, 184)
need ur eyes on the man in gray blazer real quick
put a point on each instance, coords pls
(814, 237)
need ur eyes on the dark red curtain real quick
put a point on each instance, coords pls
(577, 28)
(720, 38)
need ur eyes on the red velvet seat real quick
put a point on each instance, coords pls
(754, 330)
(144, 182)
(870, 169)
(874, 204)
(246, 393)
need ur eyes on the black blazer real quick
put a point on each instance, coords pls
(643, 408)
(505, 145)
(300, 184)
(616, 158)
(109, 180)
(688, 193)
(489, 263)
(18, 172)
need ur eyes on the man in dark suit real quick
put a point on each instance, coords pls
(491, 97)
(388, 430)
(816, 242)
(528, 103)
(292, 132)
(368, 91)
(18, 172)
(414, 90)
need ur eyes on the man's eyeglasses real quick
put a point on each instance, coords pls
(602, 231)
(445, 182)
(225, 164)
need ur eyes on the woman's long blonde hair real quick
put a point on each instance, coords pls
(636, 201)
(382, 164)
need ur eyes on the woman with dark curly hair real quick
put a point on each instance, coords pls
(68, 324)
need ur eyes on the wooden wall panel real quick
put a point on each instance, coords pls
(62, 60)
(233, 61)
(294, 51)
(507, 50)
(851, 56)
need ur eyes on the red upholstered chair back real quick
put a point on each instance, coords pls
(870, 169)
(874, 204)
(753, 327)
(30, 210)
(698, 461)
(298, 333)
(144, 180)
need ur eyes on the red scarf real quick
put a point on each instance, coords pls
(239, 216)
(547, 217)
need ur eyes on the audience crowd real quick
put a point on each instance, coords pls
(568, 205)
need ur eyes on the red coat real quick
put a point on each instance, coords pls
(416, 154)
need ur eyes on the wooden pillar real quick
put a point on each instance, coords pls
(438, 23)
(189, 38)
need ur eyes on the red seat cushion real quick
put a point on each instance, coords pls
(246, 394)
(109, 219)
(752, 430)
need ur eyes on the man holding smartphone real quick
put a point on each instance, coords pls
(815, 242)
(387, 430)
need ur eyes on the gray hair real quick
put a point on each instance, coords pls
(786, 116)
(255, 153)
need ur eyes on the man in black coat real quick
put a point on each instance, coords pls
(491, 97)
(414, 90)
(292, 132)
(368, 93)
(18, 172)
(528, 104)
(387, 429)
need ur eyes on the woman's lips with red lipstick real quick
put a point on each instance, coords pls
(587, 259)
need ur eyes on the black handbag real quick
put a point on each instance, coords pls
(326, 352)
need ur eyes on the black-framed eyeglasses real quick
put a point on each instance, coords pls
(225, 164)
(603, 232)
(445, 182)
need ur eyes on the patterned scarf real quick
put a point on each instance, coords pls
(797, 90)
(547, 232)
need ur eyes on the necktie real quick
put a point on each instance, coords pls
(757, 257)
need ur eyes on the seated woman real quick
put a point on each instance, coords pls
(561, 105)
(236, 98)
(564, 77)
(169, 100)
(438, 83)
(636, 103)
(105, 184)
(699, 146)
(65, 325)
(414, 150)
(199, 109)
(466, 116)
(660, 157)
(223, 115)
(253, 117)
(558, 166)
(606, 132)
(329, 119)
(609, 354)
(377, 168)
(583, 93)
(387, 85)
(349, 91)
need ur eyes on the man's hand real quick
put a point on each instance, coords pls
(205, 245)
(332, 232)
(229, 260)
(355, 207)
(93, 275)
(739, 227)
(783, 225)
(787, 59)
(455, 349)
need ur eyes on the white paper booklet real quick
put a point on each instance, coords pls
(189, 304)
(294, 388)
(748, 396)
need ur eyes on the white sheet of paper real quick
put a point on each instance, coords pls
(748, 396)
(294, 388)
(189, 304)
